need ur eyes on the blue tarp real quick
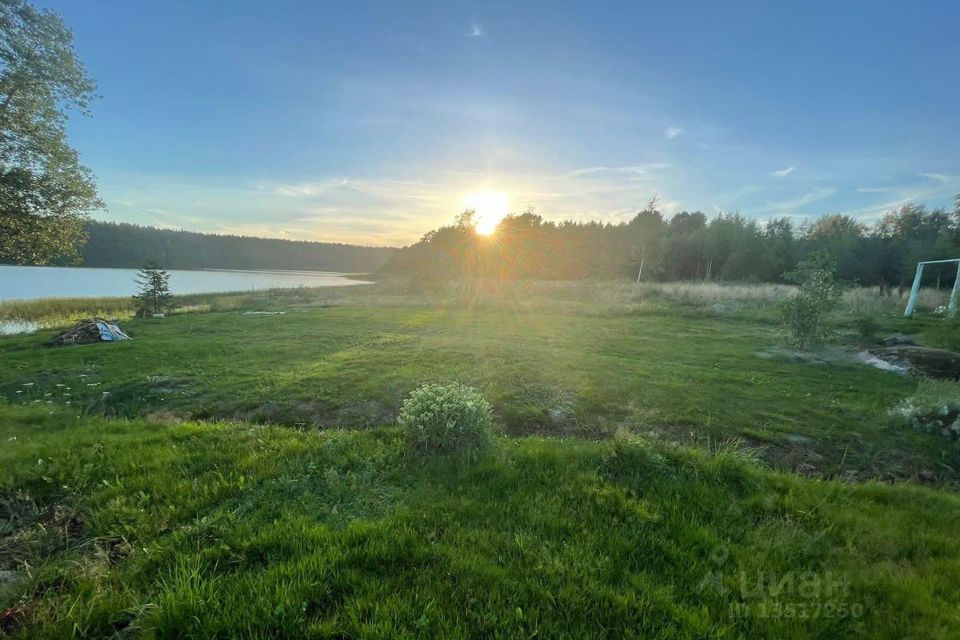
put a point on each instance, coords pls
(110, 332)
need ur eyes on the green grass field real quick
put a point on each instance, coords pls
(666, 469)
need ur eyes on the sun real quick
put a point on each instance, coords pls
(490, 208)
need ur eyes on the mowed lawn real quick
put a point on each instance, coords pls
(688, 377)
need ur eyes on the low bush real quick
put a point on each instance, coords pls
(446, 418)
(805, 315)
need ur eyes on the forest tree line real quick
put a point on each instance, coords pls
(689, 246)
(131, 246)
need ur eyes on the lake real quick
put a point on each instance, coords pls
(23, 283)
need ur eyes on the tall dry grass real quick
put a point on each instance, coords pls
(50, 311)
(617, 296)
(868, 301)
(710, 293)
(588, 297)
(53, 312)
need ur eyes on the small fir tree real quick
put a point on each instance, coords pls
(154, 291)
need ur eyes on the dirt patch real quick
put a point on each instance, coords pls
(935, 363)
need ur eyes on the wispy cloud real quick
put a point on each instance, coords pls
(933, 185)
(810, 197)
(940, 177)
(783, 173)
(673, 132)
(306, 189)
(476, 30)
(635, 172)
(876, 189)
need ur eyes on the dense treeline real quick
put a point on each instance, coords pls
(129, 245)
(688, 246)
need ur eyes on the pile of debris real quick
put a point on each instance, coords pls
(91, 330)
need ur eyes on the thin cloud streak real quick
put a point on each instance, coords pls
(673, 132)
(643, 170)
(943, 185)
(814, 195)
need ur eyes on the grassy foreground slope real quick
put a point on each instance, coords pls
(235, 530)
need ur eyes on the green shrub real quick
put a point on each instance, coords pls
(446, 418)
(934, 408)
(805, 314)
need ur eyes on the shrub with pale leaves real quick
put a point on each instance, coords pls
(446, 418)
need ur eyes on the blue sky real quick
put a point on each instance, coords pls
(373, 121)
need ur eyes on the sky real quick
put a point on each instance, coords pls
(374, 122)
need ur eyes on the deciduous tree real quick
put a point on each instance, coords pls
(45, 193)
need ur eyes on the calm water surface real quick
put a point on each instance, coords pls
(24, 283)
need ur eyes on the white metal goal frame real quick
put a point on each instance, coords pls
(915, 289)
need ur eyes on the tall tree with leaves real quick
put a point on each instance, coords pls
(45, 193)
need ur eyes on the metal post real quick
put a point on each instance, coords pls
(914, 292)
(643, 250)
(952, 308)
